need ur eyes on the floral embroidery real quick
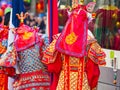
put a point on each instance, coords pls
(71, 38)
(27, 35)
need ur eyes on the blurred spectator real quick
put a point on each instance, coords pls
(42, 25)
(37, 21)
(0, 19)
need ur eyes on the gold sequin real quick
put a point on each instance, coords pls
(73, 76)
(74, 61)
(73, 81)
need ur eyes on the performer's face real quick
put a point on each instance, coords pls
(90, 7)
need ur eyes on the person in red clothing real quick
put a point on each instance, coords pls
(74, 56)
(30, 46)
(5, 71)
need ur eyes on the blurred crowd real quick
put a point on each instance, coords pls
(40, 22)
(32, 21)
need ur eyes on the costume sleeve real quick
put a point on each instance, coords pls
(96, 54)
(49, 53)
(45, 41)
(43, 45)
(52, 58)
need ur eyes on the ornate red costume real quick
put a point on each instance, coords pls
(74, 55)
(6, 69)
(30, 45)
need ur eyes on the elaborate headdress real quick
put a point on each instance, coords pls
(73, 39)
(25, 36)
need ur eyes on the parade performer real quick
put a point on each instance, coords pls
(30, 45)
(6, 65)
(73, 56)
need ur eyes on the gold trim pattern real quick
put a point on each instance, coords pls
(74, 61)
(73, 83)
